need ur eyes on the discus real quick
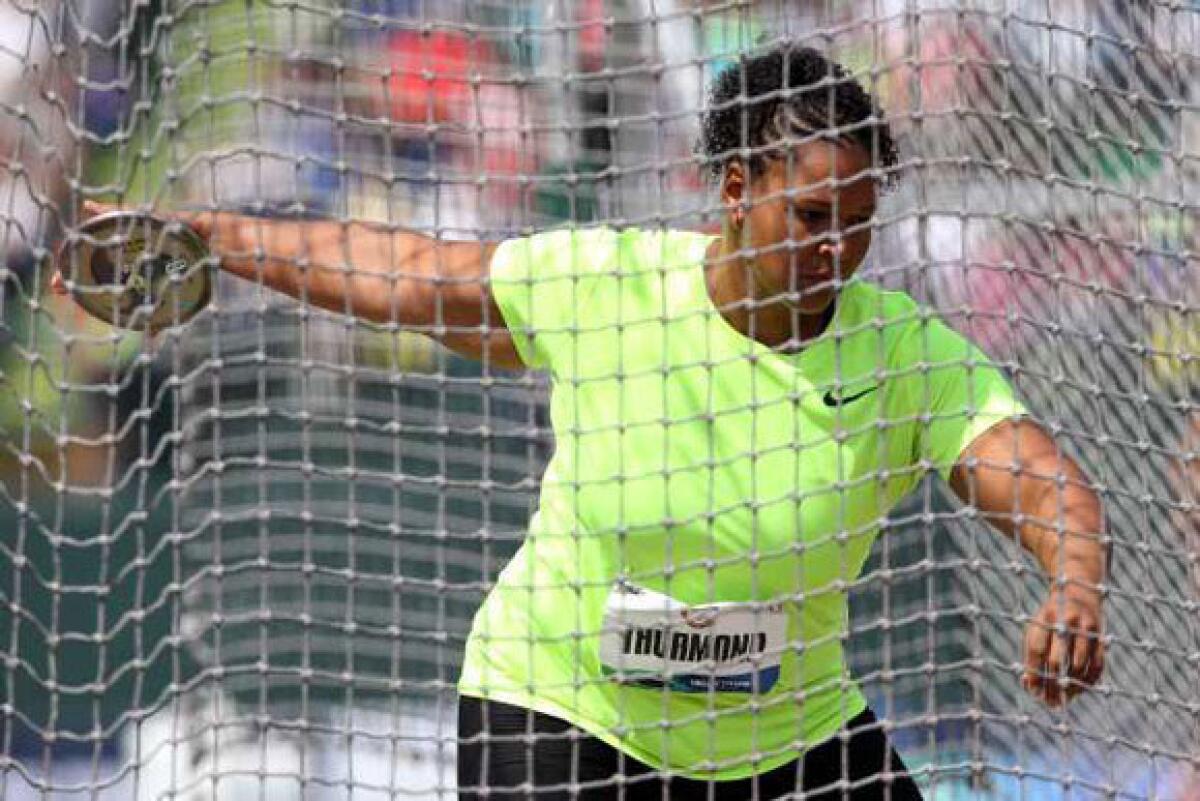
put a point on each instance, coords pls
(136, 271)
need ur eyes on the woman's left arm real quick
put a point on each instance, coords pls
(1026, 487)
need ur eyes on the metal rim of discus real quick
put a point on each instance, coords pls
(164, 283)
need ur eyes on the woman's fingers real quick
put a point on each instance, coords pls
(1087, 663)
(1096, 665)
(1060, 655)
(1064, 651)
(92, 208)
(200, 222)
(1038, 638)
(1081, 649)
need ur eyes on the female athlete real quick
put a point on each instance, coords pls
(734, 415)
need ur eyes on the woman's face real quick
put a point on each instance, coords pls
(804, 222)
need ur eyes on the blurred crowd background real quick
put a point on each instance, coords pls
(242, 556)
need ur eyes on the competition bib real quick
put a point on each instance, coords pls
(652, 640)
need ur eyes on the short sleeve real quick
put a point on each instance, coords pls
(958, 393)
(542, 284)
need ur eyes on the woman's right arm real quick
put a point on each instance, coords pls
(379, 273)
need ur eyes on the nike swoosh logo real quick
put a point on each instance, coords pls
(841, 400)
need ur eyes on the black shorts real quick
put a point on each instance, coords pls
(507, 753)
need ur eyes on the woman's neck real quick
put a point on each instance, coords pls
(732, 287)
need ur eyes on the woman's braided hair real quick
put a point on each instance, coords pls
(760, 105)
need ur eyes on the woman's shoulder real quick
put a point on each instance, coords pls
(870, 305)
(602, 249)
(912, 330)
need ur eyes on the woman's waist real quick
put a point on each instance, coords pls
(612, 627)
(589, 572)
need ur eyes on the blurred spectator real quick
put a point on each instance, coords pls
(35, 144)
(313, 593)
(1015, 278)
(441, 112)
(449, 79)
(48, 388)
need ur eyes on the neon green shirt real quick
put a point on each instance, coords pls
(682, 588)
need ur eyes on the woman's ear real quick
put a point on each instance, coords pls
(733, 193)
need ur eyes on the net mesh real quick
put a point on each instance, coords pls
(240, 559)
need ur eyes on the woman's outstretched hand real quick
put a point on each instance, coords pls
(91, 208)
(201, 223)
